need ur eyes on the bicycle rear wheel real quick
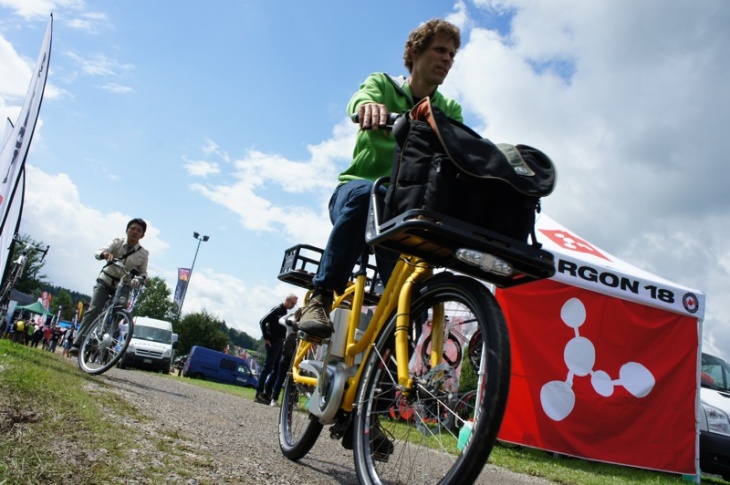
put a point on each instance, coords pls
(425, 448)
(106, 342)
(298, 428)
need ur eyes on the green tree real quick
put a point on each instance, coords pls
(65, 301)
(242, 339)
(469, 378)
(203, 329)
(155, 301)
(31, 279)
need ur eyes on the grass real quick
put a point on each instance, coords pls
(59, 425)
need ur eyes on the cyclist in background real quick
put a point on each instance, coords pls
(132, 254)
(428, 56)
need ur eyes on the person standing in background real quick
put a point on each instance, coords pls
(273, 334)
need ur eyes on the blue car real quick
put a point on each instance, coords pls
(211, 365)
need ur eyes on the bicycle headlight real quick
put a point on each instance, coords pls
(485, 261)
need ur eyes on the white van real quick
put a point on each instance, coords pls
(152, 346)
(714, 418)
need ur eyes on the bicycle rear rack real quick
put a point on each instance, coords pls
(301, 262)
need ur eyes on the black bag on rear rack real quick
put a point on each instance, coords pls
(443, 166)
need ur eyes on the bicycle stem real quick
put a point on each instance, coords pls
(403, 323)
(437, 334)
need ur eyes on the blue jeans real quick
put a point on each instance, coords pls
(348, 208)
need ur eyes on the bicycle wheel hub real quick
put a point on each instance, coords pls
(106, 341)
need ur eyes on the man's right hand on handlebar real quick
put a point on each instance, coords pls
(372, 116)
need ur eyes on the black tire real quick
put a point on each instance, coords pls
(298, 428)
(105, 345)
(421, 450)
(5, 295)
(6, 291)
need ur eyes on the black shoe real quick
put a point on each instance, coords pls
(315, 320)
(262, 397)
(381, 442)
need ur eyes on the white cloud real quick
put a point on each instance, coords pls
(247, 195)
(74, 12)
(98, 65)
(14, 71)
(200, 168)
(53, 209)
(89, 21)
(117, 88)
(633, 117)
(227, 297)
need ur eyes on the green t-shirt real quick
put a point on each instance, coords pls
(373, 154)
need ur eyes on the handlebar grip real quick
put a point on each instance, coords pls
(392, 117)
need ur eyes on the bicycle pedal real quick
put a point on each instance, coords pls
(312, 338)
(381, 457)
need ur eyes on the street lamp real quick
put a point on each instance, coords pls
(200, 239)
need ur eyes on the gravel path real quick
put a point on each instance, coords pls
(234, 440)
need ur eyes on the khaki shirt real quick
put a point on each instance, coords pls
(110, 275)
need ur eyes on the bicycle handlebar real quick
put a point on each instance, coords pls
(27, 246)
(134, 272)
(392, 117)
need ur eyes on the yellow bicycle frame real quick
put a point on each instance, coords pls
(407, 273)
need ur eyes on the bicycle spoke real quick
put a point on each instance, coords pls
(425, 447)
(106, 342)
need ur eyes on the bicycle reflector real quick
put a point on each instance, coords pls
(485, 261)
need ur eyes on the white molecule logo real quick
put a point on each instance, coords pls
(558, 398)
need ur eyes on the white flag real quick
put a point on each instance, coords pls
(15, 150)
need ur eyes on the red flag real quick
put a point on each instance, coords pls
(601, 378)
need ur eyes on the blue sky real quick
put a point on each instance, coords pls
(228, 118)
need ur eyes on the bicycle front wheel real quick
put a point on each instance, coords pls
(433, 446)
(106, 342)
(298, 428)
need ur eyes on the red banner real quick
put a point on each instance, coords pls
(601, 378)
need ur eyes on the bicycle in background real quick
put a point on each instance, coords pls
(111, 331)
(18, 268)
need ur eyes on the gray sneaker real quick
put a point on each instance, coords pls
(315, 320)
